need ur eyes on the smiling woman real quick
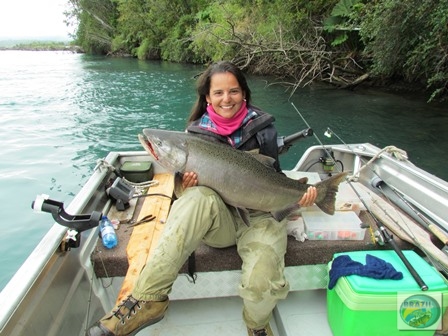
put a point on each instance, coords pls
(226, 96)
(33, 19)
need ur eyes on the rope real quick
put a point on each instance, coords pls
(101, 164)
(143, 185)
(397, 153)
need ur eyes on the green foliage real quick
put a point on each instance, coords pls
(144, 49)
(42, 45)
(96, 23)
(396, 38)
(344, 8)
(409, 39)
(212, 36)
(226, 29)
(343, 18)
(132, 26)
(176, 46)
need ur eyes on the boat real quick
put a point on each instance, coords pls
(70, 280)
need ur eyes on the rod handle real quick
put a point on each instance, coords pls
(438, 233)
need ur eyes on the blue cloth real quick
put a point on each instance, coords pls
(375, 268)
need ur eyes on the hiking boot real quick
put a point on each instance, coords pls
(129, 317)
(266, 331)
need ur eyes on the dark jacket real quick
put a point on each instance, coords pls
(259, 133)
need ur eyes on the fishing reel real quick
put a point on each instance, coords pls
(328, 161)
(379, 238)
(375, 236)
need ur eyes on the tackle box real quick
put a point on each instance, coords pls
(360, 305)
(137, 171)
(343, 225)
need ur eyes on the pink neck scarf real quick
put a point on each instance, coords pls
(226, 126)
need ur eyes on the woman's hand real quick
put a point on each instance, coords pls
(189, 179)
(309, 197)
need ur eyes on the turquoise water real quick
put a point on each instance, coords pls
(60, 112)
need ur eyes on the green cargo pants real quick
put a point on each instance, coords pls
(200, 215)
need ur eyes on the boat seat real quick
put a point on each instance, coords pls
(309, 252)
(136, 243)
(110, 263)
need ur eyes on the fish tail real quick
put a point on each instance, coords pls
(329, 187)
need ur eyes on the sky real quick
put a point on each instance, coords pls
(32, 19)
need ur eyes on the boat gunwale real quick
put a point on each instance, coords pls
(28, 273)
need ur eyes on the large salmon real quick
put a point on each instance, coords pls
(239, 177)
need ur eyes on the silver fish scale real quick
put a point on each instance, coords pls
(238, 177)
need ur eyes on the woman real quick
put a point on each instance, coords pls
(223, 112)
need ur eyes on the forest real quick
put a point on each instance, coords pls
(345, 43)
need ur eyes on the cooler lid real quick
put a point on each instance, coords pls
(366, 285)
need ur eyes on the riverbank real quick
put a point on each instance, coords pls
(73, 49)
(40, 46)
(396, 86)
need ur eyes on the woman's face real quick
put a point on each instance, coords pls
(226, 95)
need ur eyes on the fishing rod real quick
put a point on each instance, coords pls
(398, 198)
(392, 194)
(387, 237)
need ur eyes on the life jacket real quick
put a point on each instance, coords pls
(259, 133)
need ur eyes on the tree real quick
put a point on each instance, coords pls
(409, 40)
(96, 23)
(341, 42)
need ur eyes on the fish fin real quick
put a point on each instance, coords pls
(303, 180)
(264, 159)
(254, 151)
(282, 214)
(178, 189)
(330, 187)
(244, 215)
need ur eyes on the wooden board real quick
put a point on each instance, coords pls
(145, 236)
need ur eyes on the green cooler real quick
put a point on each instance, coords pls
(365, 306)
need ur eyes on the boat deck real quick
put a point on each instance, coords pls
(301, 313)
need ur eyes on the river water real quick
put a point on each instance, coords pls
(60, 112)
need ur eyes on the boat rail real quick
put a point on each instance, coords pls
(30, 275)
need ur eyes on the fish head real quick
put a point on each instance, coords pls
(168, 148)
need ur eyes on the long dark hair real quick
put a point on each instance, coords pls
(203, 86)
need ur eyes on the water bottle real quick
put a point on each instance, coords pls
(108, 235)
